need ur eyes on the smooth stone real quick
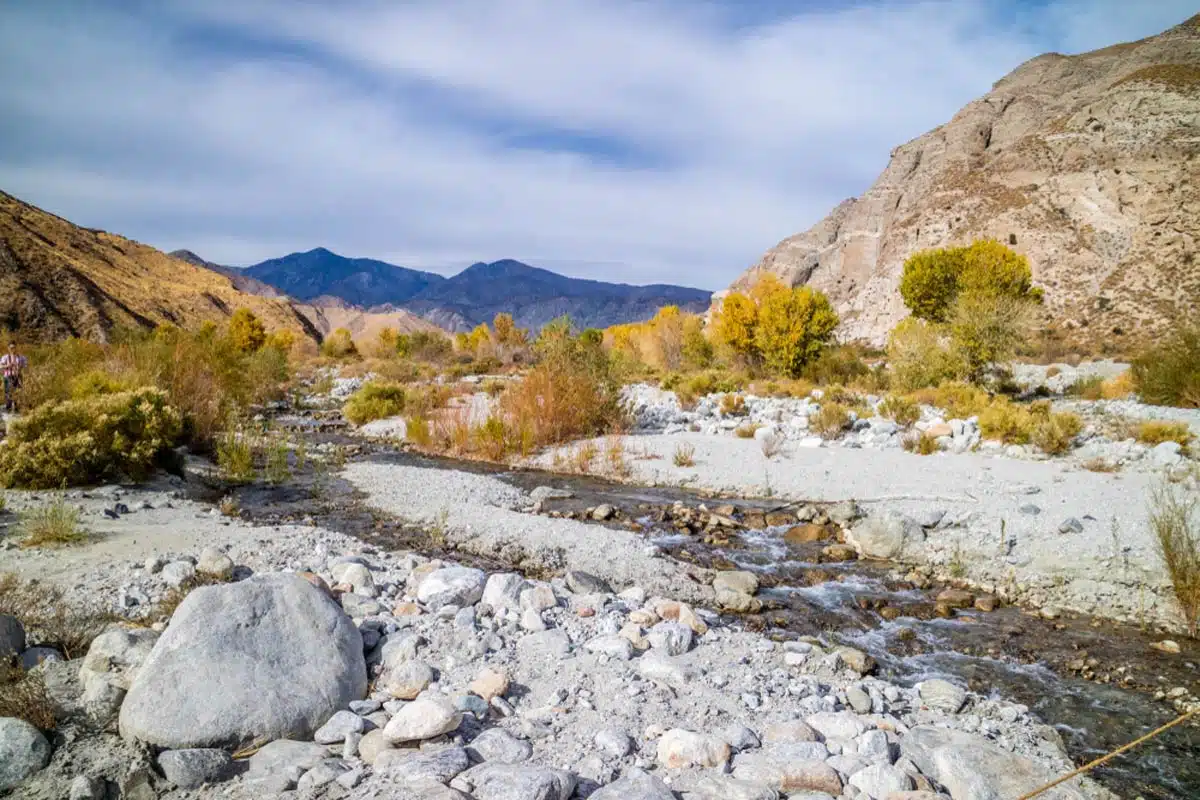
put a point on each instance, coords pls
(423, 719)
(409, 766)
(836, 724)
(191, 769)
(879, 781)
(740, 581)
(178, 573)
(323, 774)
(614, 743)
(586, 583)
(941, 695)
(670, 637)
(12, 636)
(488, 781)
(613, 646)
(214, 562)
(459, 586)
(679, 748)
(339, 726)
(498, 745)
(23, 751)
(723, 787)
(285, 760)
(634, 785)
(407, 680)
(503, 592)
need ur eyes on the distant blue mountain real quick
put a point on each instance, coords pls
(533, 296)
(360, 281)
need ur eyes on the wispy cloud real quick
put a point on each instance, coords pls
(635, 141)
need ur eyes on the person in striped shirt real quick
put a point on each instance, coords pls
(12, 364)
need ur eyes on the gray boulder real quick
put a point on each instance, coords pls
(416, 767)
(586, 583)
(515, 782)
(972, 768)
(23, 751)
(12, 636)
(635, 785)
(884, 535)
(498, 745)
(279, 765)
(460, 586)
(271, 657)
(191, 769)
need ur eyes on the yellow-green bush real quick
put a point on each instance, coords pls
(1168, 374)
(246, 331)
(794, 326)
(1154, 432)
(900, 410)
(1053, 433)
(830, 420)
(842, 364)
(920, 355)
(1007, 422)
(375, 400)
(986, 328)
(339, 344)
(959, 400)
(933, 280)
(81, 442)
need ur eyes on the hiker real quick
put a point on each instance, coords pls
(12, 364)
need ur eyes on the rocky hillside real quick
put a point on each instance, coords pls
(327, 314)
(535, 296)
(58, 279)
(240, 280)
(1087, 164)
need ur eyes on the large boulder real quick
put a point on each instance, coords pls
(23, 751)
(973, 768)
(268, 658)
(884, 535)
(492, 781)
(459, 586)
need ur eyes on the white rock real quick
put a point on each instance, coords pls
(671, 637)
(23, 751)
(422, 719)
(879, 781)
(460, 586)
(679, 749)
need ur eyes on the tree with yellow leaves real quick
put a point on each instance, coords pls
(733, 328)
(246, 331)
(793, 326)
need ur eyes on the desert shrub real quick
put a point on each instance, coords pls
(830, 420)
(793, 327)
(920, 443)
(684, 455)
(1156, 431)
(900, 410)
(733, 404)
(375, 400)
(94, 382)
(1177, 533)
(932, 280)
(842, 364)
(55, 524)
(50, 619)
(1090, 387)
(919, 355)
(570, 394)
(339, 344)
(960, 400)
(1118, 387)
(493, 438)
(423, 400)
(23, 695)
(986, 328)
(246, 331)
(1007, 422)
(692, 387)
(418, 431)
(80, 442)
(235, 456)
(1053, 433)
(1053, 371)
(746, 430)
(429, 346)
(1168, 374)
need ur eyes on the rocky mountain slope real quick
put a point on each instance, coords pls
(240, 280)
(58, 279)
(327, 314)
(1087, 164)
(360, 281)
(535, 296)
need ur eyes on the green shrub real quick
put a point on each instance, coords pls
(842, 364)
(1169, 373)
(81, 442)
(235, 457)
(339, 344)
(95, 382)
(986, 328)
(375, 400)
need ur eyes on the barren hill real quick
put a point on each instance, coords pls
(1087, 164)
(327, 314)
(58, 279)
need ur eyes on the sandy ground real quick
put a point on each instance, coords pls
(1110, 568)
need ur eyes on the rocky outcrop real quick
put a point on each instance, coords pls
(1085, 164)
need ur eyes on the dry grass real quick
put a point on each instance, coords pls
(229, 506)
(23, 696)
(165, 608)
(615, 463)
(1156, 431)
(53, 525)
(1054, 433)
(1169, 373)
(733, 405)
(684, 455)
(48, 618)
(1177, 532)
(830, 420)
(746, 430)
(1183, 78)
(1099, 465)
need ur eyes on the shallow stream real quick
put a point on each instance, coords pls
(1008, 652)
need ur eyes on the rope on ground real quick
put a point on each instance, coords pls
(1109, 757)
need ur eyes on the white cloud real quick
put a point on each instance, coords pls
(247, 130)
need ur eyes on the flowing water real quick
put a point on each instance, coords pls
(1005, 653)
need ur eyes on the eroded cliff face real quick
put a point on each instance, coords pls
(1088, 164)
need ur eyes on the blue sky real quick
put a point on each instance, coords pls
(633, 140)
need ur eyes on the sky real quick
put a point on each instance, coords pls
(642, 141)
